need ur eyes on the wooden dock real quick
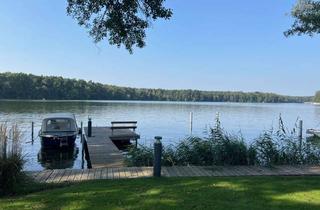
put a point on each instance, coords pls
(77, 175)
(102, 151)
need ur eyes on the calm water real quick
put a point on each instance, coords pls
(168, 119)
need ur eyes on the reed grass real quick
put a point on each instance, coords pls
(11, 158)
(271, 147)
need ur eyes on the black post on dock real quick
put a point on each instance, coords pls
(81, 132)
(157, 156)
(89, 127)
(4, 148)
(191, 122)
(32, 131)
(300, 134)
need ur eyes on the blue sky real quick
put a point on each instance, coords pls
(207, 45)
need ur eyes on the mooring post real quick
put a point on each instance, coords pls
(300, 134)
(89, 127)
(157, 156)
(4, 149)
(81, 132)
(32, 131)
(191, 122)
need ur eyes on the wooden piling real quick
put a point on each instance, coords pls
(89, 127)
(32, 131)
(300, 134)
(81, 133)
(191, 122)
(157, 156)
(4, 149)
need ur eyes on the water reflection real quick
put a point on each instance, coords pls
(58, 158)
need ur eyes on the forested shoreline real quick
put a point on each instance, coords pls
(317, 97)
(28, 86)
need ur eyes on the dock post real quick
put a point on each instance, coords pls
(32, 131)
(81, 132)
(191, 122)
(89, 127)
(300, 134)
(4, 148)
(157, 156)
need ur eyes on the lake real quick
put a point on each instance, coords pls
(171, 120)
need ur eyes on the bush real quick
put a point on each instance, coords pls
(229, 150)
(11, 159)
(139, 156)
(169, 156)
(266, 150)
(194, 151)
(220, 148)
(11, 174)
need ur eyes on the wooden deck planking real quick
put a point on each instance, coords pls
(102, 151)
(65, 175)
(51, 177)
(202, 171)
(115, 173)
(176, 171)
(40, 176)
(91, 174)
(110, 173)
(147, 171)
(97, 173)
(246, 171)
(194, 171)
(104, 173)
(207, 171)
(72, 175)
(76, 175)
(140, 172)
(187, 171)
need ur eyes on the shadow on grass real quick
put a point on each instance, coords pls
(178, 193)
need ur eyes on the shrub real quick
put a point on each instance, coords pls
(139, 156)
(169, 156)
(266, 150)
(194, 151)
(220, 148)
(229, 150)
(11, 159)
(252, 156)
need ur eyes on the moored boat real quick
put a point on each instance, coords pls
(314, 132)
(59, 130)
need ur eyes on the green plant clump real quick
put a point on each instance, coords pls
(11, 159)
(272, 147)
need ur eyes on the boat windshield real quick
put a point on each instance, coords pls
(56, 125)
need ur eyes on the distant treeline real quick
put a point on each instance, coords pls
(317, 97)
(28, 86)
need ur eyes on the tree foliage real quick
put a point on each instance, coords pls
(317, 97)
(307, 18)
(28, 86)
(123, 22)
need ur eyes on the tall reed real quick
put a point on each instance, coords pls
(11, 158)
(271, 147)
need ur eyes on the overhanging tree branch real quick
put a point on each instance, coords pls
(307, 18)
(122, 22)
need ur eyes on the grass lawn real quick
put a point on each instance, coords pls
(177, 193)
